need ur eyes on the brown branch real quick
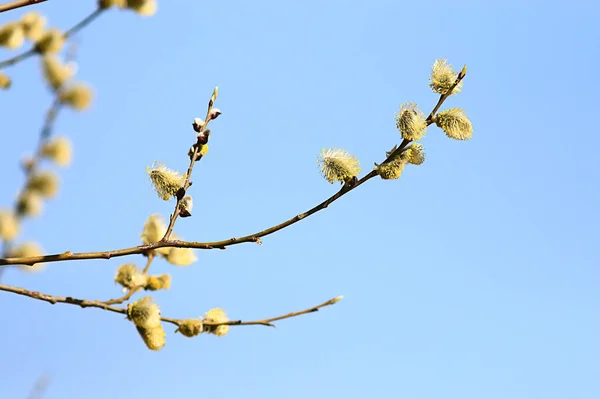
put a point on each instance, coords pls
(18, 4)
(81, 24)
(232, 241)
(84, 303)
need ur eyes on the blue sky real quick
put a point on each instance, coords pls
(474, 275)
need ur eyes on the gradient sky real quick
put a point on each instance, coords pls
(473, 276)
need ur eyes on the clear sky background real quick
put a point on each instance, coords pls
(473, 276)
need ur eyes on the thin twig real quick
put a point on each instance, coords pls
(188, 175)
(76, 28)
(232, 241)
(83, 303)
(18, 4)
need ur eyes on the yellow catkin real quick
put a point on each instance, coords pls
(33, 25)
(5, 81)
(26, 250)
(455, 124)
(216, 315)
(190, 327)
(145, 8)
(338, 165)
(59, 150)
(51, 41)
(78, 96)
(30, 204)
(12, 35)
(154, 337)
(55, 72)
(9, 225)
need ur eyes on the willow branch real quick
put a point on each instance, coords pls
(81, 24)
(256, 237)
(187, 183)
(18, 4)
(84, 303)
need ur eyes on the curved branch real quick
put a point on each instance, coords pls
(165, 242)
(84, 303)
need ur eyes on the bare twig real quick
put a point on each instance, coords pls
(81, 24)
(18, 4)
(40, 387)
(83, 303)
(232, 241)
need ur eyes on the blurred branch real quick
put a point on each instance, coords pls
(40, 387)
(80, 25)
(83, 303)
(256, 237)
(18, 4)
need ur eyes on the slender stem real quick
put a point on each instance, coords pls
(188, 175)
(84, 22)
(18, 4)
(232, 241)
(83, 303)
(17, 58)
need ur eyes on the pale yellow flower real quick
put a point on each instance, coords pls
(143, 313)
(216, 315)
(58, 150)
(9, 225)
(5, 81)
(33, 25)
(414, 154)
(154, 229)
(26, 250)
(391, 170)
(30, 204)
(145, 8)
(181, 256)
(455, 124)
(410, 121)
(160, 282)
(442, 78)
(166, 182)
(12, 36)
(338, 165)
(55, 72)
(78, 96)
(51, 41)
(45, 183)
(130, 276)
(190, 327)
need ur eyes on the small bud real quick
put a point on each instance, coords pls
(27, 162)
(78, 96)
(9, 225)
(337, 299)
(145, 8)
(213, 98)
(203, 136)
(30, 204)
(12, 35)
(198, 124)
(215, 316)
(45, 183)
(51, 41)
(161, 282)
(5, 81)
(190, 327)
(185, 206)
(55, 72)
(58, 150)
(104, 4)
(214, 113)
(166, 182)
(33, 24)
